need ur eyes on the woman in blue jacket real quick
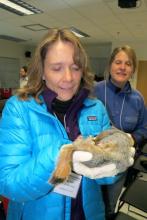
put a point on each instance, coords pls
(125, 106)
(52, 110)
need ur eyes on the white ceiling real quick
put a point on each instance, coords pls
(103, 20)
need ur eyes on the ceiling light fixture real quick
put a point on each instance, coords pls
(78, 33)
(19, 7)
(35, 27)
(10, 38)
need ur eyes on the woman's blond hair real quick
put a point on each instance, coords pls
(35, 84)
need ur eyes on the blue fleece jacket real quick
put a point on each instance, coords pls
(125, 107)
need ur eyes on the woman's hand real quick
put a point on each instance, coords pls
(79, 167)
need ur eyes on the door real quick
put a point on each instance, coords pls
(142, 79)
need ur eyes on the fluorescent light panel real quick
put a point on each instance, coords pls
(78, 33)
(35, 27)
(10, 38)
(19, 7)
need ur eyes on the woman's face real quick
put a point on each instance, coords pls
(121, 69)
(22, 72)
(61, 74)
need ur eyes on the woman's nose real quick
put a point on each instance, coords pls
(68, 74)
(122, 66)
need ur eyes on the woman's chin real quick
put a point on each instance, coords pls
(64, 98)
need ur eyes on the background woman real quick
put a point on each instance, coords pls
(125, 107)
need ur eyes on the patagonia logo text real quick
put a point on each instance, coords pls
(92, 118)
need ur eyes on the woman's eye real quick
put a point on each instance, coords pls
(56, 68)
(129, 64)
(117, 62)
(126, 63)
(75, 67)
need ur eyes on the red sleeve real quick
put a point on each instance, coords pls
(5, 204)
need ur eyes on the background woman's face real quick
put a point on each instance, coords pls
(22, 72)
(121, 69)
(61, 74)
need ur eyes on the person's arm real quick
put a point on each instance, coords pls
(140, 132)
(24, 172)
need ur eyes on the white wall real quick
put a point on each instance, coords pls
(98, 55)
(15, 50)
(12, 50)
(139, 47)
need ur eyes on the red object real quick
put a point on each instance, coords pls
(5, 204)
(5, 93)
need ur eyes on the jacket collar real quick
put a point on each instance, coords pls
(42, 107)
(49, 97)
(126, 89)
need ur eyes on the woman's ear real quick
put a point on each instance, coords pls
(43, 77)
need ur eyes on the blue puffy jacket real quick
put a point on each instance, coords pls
(30, 141)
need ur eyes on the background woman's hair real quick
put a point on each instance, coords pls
(25, 68)
(35, 70)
